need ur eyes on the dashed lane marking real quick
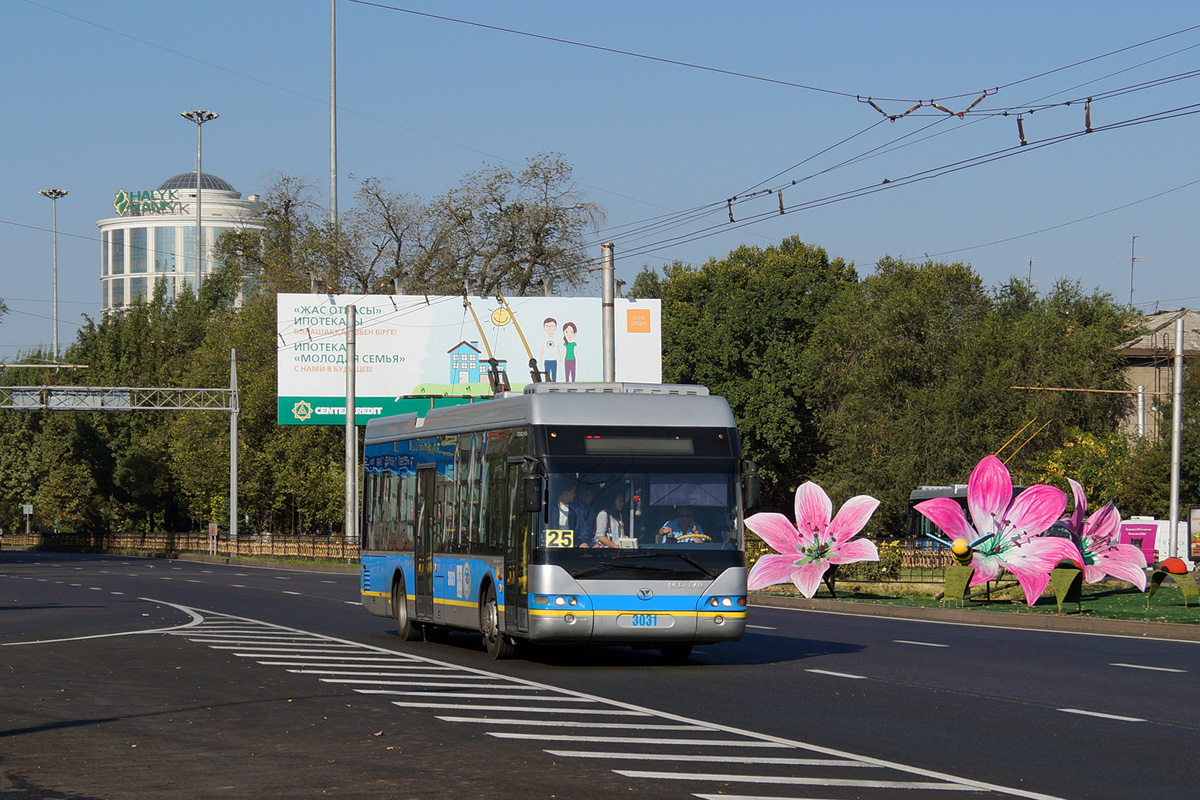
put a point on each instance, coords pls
(1144, 666)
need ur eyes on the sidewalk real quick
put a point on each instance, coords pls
(1074, 623)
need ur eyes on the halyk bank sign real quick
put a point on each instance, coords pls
(151, 201)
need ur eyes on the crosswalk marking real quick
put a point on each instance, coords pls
(556, 720)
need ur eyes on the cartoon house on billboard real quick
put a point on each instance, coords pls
(468, 364)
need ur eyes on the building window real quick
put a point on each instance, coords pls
(137, 290)
(137, 251)
(118, 253)
(164, 249)
(189, 251)
(103, 254)
(118, 292)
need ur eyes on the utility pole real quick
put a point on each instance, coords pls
(607, 319)
(1176, 441)
(351, 431)
(333, 207)
(1132, 258)
(54, 194)
(199, 116)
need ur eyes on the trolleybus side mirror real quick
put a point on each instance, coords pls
(532, 494)
(751, 486)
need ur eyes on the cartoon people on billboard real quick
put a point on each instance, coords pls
(549, 349)
(570, 330)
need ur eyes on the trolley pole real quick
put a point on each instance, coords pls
(351, 432)
(608, 326)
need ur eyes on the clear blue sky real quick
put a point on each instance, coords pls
(93, 92)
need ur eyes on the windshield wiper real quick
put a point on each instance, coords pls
(605, 566)
(693, 562)
(623, 563)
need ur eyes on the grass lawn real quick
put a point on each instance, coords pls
(1107, 600)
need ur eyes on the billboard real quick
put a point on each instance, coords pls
(414, 351)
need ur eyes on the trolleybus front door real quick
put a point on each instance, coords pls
(516, 554)
(426, 527)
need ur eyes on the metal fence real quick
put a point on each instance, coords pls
(900, 561)
(331, 548)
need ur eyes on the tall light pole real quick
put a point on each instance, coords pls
(54, 194)
(199, 117)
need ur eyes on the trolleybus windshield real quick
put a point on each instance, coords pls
(610, 517)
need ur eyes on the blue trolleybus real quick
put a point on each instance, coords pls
(567, 513)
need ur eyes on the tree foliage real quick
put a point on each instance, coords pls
(740, 326)
(915, 375)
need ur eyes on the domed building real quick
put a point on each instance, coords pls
(153, 237)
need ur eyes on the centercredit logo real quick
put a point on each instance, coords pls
(340, 411)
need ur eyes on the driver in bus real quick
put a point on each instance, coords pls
(683, 529)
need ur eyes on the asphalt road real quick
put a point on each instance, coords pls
(139, 678)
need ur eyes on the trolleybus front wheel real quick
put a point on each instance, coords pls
(498, 645)
(404, 625)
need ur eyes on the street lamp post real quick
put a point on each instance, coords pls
(199, 117)
(54, 194)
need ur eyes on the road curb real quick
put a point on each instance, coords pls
(281, 565)
(1000, 619)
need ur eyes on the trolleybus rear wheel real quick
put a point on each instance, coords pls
(404, 625)
(498, 645)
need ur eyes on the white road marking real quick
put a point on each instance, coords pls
(631, 740)
(787, 780)
(359, 671)
(431, 675)
(922, 644)
(623, 724)
(438, 685)
(837, 674)
(472, 679)
(498, 696)
(1143, 666)
(1117, 717)
(762, 627)
(527, 709)
(749, 758)
(287, 592)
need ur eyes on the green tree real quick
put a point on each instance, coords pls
(914, 378)
(740, 326)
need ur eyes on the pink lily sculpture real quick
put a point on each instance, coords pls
(1005, 534)
(804, 551)
(1096, 538)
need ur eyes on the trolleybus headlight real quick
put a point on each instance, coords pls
(714, 602)
(560, 601)
(728, 603)
(572, 601)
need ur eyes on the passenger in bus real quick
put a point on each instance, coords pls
(587, 497)
(570, 512)
(682, 529)
(610, 523)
